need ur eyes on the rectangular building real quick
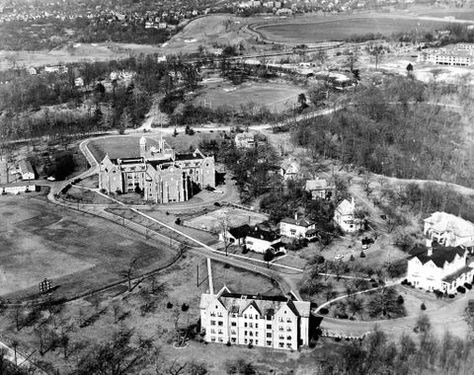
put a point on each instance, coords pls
(265, 321)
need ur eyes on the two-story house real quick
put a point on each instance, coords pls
(298, 227)
(439, 268)
(344, 216)
(266, 321)
(319, 189)
(449, 230)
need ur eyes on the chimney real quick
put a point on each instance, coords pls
(430, 250)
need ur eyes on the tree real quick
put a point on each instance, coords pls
(423, 324)
(240, 367)
(302, 101)
(128, 273)
(384, 303)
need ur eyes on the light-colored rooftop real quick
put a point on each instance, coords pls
(444, 222)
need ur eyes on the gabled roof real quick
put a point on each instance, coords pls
(301, 222)
(439, 256)
(240, 232)
(261, 234)
(317, 184)
(345, 207)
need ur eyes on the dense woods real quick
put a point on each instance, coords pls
(391, 131)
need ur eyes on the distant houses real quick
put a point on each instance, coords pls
(16, 180)
(245, 140)
(260, 240)
(26, 170)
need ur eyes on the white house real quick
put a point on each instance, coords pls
(245, 140)
(319, 189)
(344, 216)
(449, 230)
(26, 170)
(17, 188)
(297, 228)
(439, 268)
(260, 240)
(265, 321)
(291, 172)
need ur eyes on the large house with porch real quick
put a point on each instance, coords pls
(265, 321)
(158, 172)
(449, 230)
(441, 268)
(344, 216)
(298, 227)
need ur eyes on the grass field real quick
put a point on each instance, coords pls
(460, 14)
(339, 29)
(79, 253)
(234, 216)
(124, 146)
(276, 97)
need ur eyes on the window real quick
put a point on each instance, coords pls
(233, 324)
(250, 316)
(245, 341)
(256, 342)
(245, 316)
(220, 332)
(213, 331)
(256, 334)
(288, 345)
(256, 325)
(219, 314)
(213, 339)
(213, 314)
(269, 326)
(250, 333)
(281, 328)
(269, 335)
(221, 339)
(269, 343)
(251, 325)
(220, 323)
(288, 329)
(281, 345)
(288, 337)
(233, 332)
(233, 340)
(288, 320)
(213, 322)
(280, 319)
(245, 333)
(245, 325)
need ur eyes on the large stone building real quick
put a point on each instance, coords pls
(160, 173)
(271, 322)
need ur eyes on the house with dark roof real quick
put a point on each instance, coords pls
(235, 235)
(440, 268)
(298, 227)
(276, 322)
(260, 240)
(319, 189)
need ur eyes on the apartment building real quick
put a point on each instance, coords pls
(263, 321)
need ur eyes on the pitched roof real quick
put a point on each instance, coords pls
(444, 222)
(345, 207)
(240, 232)
(301, 222)
(25, 166)
(261, 234)
(439, 256)
(453, 276)
(316, 184)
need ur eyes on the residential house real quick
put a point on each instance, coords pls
(298, 228)
(344, 216)
(245, 140)
(291, 172)
(26, 170)
(319, 189)
(236, 235)
(265, 321)
(261, 240)
(17, 188)
(436, 267)
(449, 230)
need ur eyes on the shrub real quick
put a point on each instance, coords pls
(423, 306)
(352, 258)
(468, 286)
(184, 307)
(228, 343)
(461, 289)
(400, 300)
(324, 311)
(178, 221)
(451, 295)
(362, 254)
(169, 305)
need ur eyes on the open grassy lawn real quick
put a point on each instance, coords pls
(460, 14)
(276, 97)
(79, 253)
(339, 29)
